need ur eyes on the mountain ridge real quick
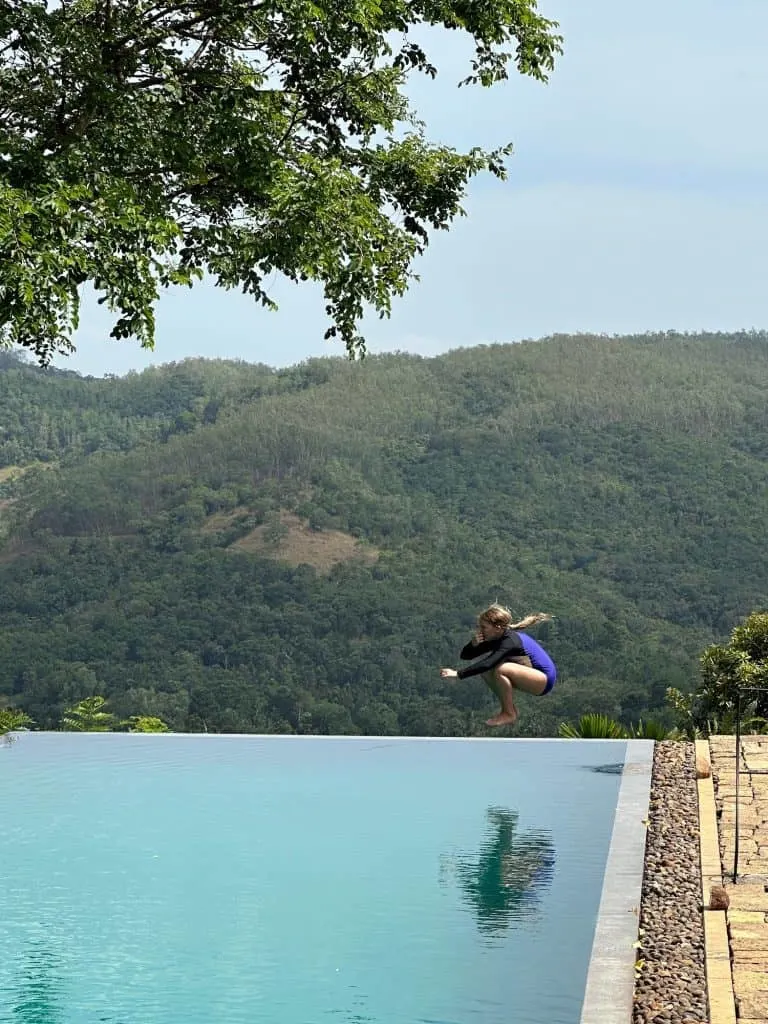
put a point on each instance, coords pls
(617, 482)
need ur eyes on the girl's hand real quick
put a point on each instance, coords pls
(449, 673)
(478, 638)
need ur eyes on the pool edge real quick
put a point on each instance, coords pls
(609, 992)
(322, 736)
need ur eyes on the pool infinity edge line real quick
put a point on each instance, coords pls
(611, 975)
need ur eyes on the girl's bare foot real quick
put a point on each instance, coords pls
(503, 718)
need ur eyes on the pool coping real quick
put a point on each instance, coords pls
(340, 735)
(609, 992)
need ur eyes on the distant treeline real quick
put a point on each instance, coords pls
(233, 548)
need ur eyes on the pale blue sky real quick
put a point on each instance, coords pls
(637, 200)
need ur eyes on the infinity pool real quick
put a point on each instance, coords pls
(287, 880)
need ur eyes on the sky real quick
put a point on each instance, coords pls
(637, 200)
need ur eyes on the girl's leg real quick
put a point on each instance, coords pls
(490, 681)
(508, 713)
(509, 677)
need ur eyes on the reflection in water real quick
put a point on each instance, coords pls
(607, 769)
(40, 988)
(503, 882)
(355, 1015)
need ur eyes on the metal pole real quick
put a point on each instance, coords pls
(738, 775)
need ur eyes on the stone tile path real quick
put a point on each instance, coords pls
(747, 913)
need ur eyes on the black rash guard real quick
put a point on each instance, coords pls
(491, 653)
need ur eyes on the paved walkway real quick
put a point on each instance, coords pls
(747, 914)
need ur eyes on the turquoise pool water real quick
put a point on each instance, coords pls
(225, 880)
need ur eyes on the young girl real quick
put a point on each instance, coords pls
(508, 659)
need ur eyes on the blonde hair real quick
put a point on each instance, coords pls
(498, 615)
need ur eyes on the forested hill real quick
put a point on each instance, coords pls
(236, 548)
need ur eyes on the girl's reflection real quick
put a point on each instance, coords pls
(503, 882)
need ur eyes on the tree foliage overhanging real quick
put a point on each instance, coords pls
(232, 548)
(144, 143)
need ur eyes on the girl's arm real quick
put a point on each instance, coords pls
(498, 651)
(476, 647)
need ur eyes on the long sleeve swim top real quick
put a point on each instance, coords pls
(510, 644)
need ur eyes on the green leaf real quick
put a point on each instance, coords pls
(148, 146)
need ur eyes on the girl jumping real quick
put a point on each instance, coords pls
(508, 660)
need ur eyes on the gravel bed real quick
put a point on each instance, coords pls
(670, 986)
